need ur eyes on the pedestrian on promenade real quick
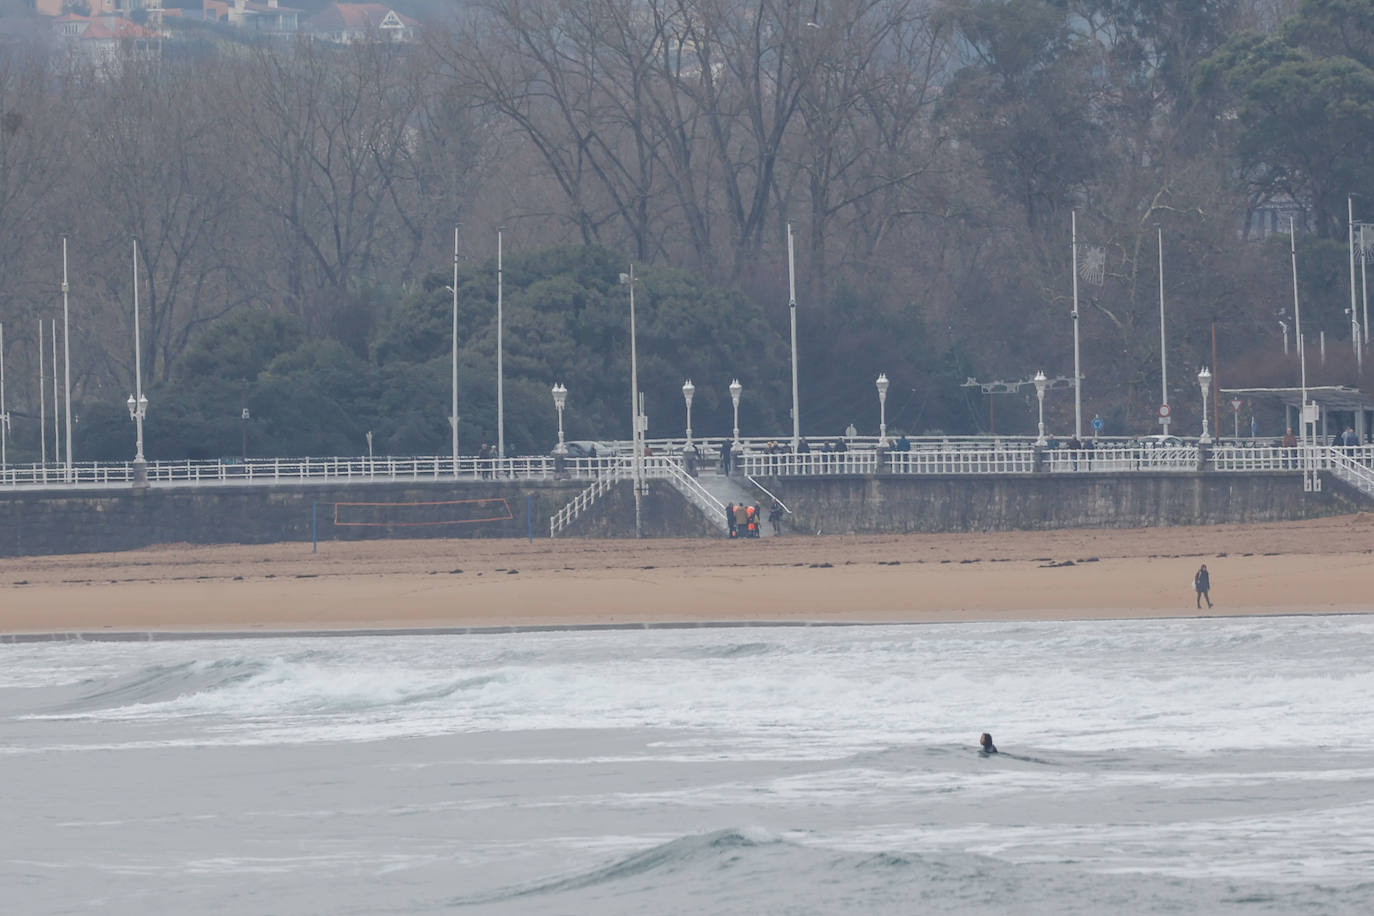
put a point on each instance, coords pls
(1202, 584)
(1290, 446)
(725, 457)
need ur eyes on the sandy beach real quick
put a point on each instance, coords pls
(1321, 566)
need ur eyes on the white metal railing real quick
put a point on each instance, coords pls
(1345, 465)
(1102, 460)
(947, 456)
(584, 500)
(787, 464)
(691, 488)
(1020, 460)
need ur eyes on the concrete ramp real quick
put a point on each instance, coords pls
(736, 489)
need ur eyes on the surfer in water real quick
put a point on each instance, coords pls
(986, 744)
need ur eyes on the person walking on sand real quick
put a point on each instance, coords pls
(730, 518)
(1202, 584)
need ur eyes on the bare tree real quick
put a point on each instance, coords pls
(330, 164)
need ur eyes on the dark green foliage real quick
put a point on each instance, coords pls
(566, 319)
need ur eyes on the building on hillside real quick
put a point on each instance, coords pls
(265, 16)
(346, 23)
(124, 8)
(105, 40)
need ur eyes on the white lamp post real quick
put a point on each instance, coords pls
(688, 389)
(500, 371)
(4, 414)
(735, 389)
(66, 360)
(792, 310)
(1204, 383)
(137, 403)
(453, 415)
(637, 451)
(560, 398)
(138, 409)
(1040, 382)
(882, 384)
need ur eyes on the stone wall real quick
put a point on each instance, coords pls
(57, 522)
(872, 505)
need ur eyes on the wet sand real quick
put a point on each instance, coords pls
(1320, 566)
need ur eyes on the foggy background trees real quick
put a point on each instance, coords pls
(295, 204)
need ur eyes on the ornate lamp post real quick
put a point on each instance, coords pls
(735, 389)
(138, 409)
(4, 414)
(1040, 382)
(688, 389)
(1204, 383)
(560, 398)
(138, 405)
(882, 384)
(453, 357)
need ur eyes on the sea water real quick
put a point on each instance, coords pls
(1146, 767)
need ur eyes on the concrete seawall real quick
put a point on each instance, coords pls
(36, 523)
(876, 504)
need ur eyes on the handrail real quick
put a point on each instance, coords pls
(690, 487)
(770, 494)
(583, 501)
(1359, 476)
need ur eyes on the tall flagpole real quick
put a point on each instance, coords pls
(1163, 353)
(637, 453)
(42, 407)
(56, 411)
(1297, 321)
(1354, 314)
(138, 405)
(792, 309)
(1077, 375)
(67, 360)
(1309, 482)
(453, 417)
(4, 416)
(500, 374)
(1364, 285)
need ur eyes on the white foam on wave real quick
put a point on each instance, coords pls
(1192, 686)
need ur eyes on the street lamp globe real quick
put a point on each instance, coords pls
(1040, 382)
(882, 384)
(688, 390)
(1204, 384)
(560, 399)
(735, 389)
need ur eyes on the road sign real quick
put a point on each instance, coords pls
(1097, 423)
(1164, 411)
(1236, 404)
